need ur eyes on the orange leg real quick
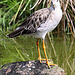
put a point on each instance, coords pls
(45, 52)
(47, 60)
(38, 50)
(48, 63)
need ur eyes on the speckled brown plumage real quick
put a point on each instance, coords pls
(39, 23)
(31, 24)
(35, 20)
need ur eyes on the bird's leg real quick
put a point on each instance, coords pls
(47, 60)
(45, 52)
(48, 63)
(38, 50)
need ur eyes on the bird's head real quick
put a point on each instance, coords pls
(55, 4)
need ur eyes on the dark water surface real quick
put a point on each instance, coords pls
(59, 48)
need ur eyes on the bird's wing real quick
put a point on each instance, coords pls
(35, 20)
(31, 24)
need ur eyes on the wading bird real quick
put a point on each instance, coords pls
(39, 23)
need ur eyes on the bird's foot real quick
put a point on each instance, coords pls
(51, 64)
(48, 62)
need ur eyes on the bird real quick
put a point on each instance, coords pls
(38, 24)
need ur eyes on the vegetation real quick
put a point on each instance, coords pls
(13, 12)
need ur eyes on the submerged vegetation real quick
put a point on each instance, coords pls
(59, 48)
(13, 13)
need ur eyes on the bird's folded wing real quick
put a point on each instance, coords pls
(35, 20)
(31, 24)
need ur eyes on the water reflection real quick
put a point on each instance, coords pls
(59, 48)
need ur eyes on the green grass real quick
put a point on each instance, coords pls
(60, 48)
(13, 13)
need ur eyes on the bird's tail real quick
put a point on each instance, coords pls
(15, 33)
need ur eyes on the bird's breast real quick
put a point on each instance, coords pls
(53, 19)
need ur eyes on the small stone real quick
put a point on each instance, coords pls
(23, 66)
(33, 66)
(29, 68)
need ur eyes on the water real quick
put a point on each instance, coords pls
(59, 48)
